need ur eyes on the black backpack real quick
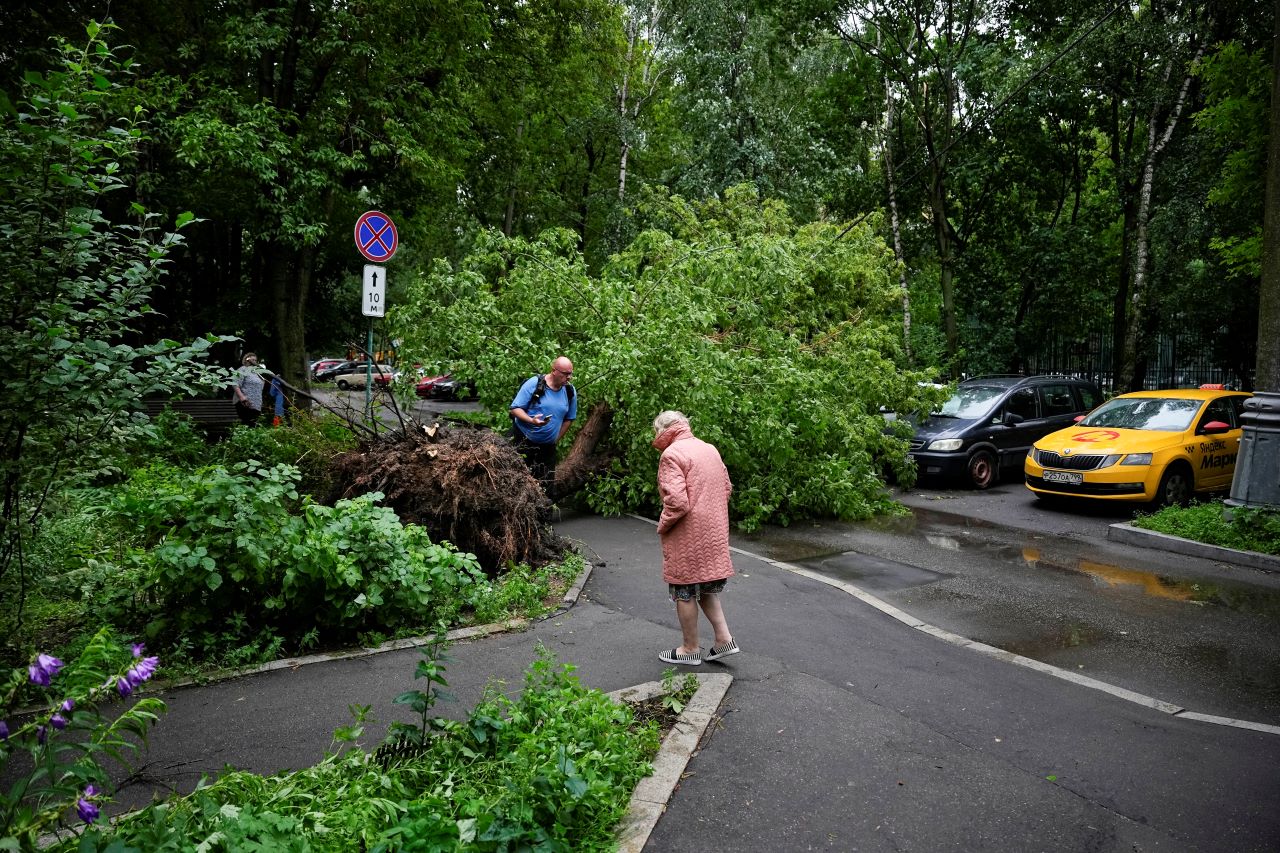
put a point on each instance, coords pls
(538, 391)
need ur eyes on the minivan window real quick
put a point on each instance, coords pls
(971, 401)
(1056, 400)
(1022, 403)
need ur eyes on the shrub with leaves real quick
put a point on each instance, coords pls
(1243, 529)
(242, 540)
(552, 771)
(80, 262)
(308, 442)
(62, 744)
(780, 342)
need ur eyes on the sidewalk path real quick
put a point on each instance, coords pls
(843, 729)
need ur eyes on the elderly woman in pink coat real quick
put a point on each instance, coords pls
(694, 528)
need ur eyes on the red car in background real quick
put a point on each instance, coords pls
(445, 387)
(324, 364)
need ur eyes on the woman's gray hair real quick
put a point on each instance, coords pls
(666, 419)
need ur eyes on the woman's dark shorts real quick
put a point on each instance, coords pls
(695, 591)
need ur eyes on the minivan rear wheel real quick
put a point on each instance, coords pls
(982, 469)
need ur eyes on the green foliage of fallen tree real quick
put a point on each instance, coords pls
(781, 342)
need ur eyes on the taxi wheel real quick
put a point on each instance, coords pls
(982, 469)
(1175, 486)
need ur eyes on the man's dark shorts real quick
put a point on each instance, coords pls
(695, 591)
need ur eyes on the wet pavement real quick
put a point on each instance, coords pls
(1189, 631)
(843, 729)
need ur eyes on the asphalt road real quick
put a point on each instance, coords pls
(1044, 581)
(998, 568)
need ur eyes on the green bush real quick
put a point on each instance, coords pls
(1245, 530)
(225, 547)
(553, 771)
(522, 590)
(307, 442)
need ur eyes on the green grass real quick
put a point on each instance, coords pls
(552, 771)
(1243, 530)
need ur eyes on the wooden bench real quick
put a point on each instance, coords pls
(215, 416)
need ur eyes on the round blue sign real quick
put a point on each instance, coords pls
(376, 236)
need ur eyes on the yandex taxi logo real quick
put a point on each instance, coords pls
(1092, 435)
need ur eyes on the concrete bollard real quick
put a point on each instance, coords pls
(1257, 478)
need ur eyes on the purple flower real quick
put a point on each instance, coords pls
(91, 790)
(4, 730)
(138, 649)
(58, 721)
(40, 734)
(143, 670)
(44, 668)
(124, 686)
(88, 811)
(68, 704)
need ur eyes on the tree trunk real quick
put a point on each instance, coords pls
(624, 130)
(946, 257)
(289, 277)
(1134, 337)
(509, 220)
(894, 226)
(1267, 377)
(582, 460)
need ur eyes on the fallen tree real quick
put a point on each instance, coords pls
(781, 342)
(463, 484)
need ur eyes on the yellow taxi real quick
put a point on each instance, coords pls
(1155, 446)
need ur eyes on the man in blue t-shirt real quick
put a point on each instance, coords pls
(542, 419)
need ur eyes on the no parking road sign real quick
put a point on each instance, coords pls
(376, 237)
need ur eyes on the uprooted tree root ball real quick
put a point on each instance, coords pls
(464, 484)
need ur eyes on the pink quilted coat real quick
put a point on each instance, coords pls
(694, 525)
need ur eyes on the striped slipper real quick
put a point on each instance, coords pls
(676, 656)
(729, 648)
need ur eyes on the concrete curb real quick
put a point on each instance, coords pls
(1018, 660)
(470, 633)
(1128, 534)
(649, 800)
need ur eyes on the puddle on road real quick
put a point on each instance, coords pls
(873, 573)
(828, 549)
(1063, 637)
(1148, 583)
(1244, 599)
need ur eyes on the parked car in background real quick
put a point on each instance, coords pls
(1153, 446)
(342, 367)
(323, 364)
(383, 375)
(987, 426)
(445, 387)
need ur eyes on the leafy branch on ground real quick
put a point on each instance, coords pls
(552, 770)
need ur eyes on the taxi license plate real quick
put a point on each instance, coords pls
(1073, 477)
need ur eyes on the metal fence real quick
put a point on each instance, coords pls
(1176, 362)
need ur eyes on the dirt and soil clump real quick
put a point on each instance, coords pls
(466, 485)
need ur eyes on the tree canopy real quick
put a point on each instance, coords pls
(780, 341)
(1071, 186)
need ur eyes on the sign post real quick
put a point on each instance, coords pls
(377, 240)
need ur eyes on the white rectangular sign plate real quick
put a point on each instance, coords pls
(373, 302)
